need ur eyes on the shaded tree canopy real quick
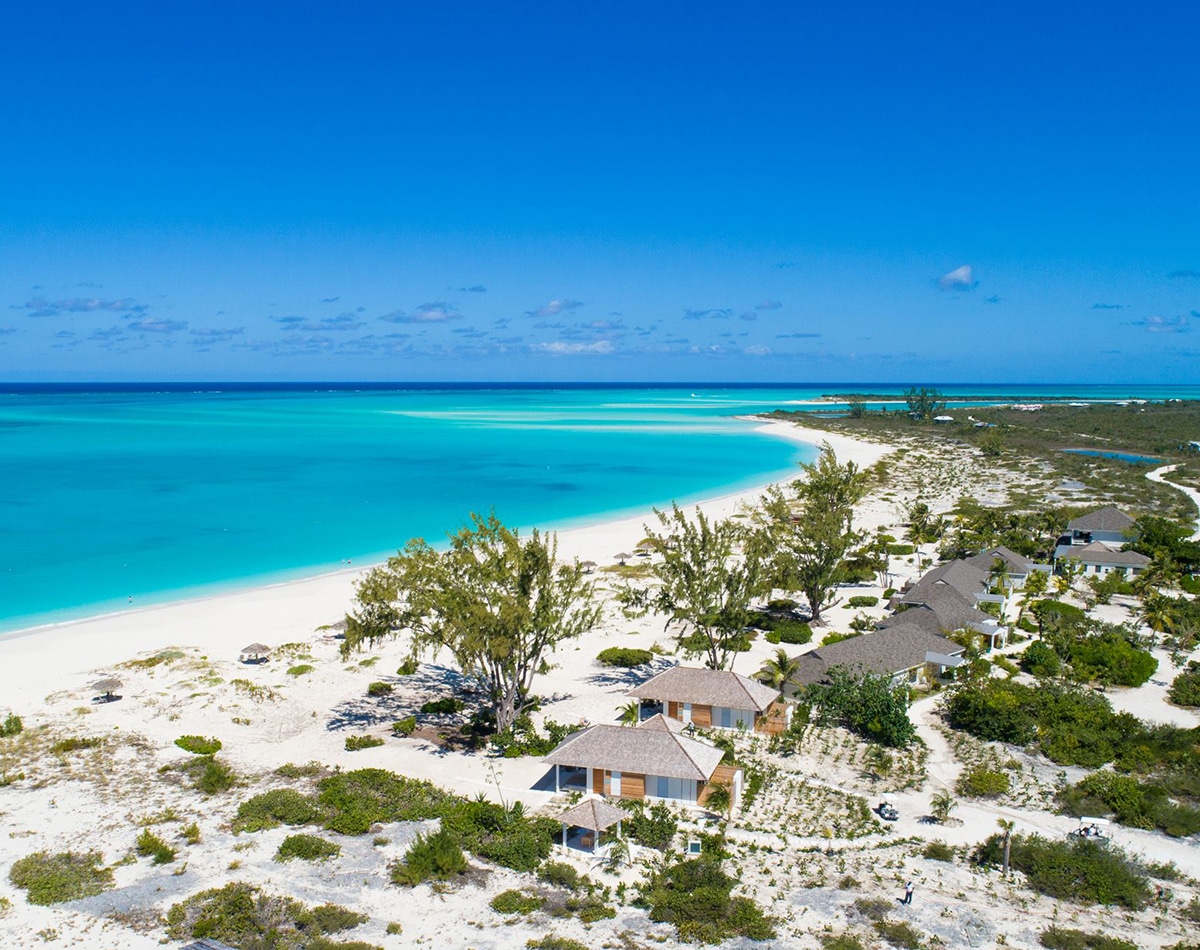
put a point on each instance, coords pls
(499, 603)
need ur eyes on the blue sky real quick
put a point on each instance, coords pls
(671, 191)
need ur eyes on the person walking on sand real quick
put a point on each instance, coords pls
(908, 892)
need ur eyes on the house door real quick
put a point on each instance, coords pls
(687, 712)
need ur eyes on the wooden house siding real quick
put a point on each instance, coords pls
(633, 786)
(702, 716)
(774, 721)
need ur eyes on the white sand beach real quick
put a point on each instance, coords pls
(268, 715)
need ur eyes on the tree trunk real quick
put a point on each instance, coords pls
(506, 710)
(1007, 842)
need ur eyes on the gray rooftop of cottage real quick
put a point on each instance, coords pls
(1016, 563)
(964, 577)
(595, 814)
(951, 607)
(1108, 518)
(652, 748)
(888, 651)
(689, 684)
(1100, 553)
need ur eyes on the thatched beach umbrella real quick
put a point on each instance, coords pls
(623, 557)
(589, 567)
(254, 652)
(106, 687)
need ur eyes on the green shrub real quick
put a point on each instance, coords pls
(1079, 870)
(898, 933)
(405, 727)
(280, 806)
(841, 942)
(1060, 938)
(198, 745)
(1110, 658)
(524, 738)
(353, 801)
(1138, 803)
(242, 915)
(696, 897)
(862, 600)
(190, 833)
(653, 827)
(356, 743)
(208, 775)
(554, 942)
(379, 689)
(56, 878)
(74, 744)
(1004, 663)
(899, 550)
(560, 874)
(301, 669)
(447, 704)
(938, 851)
(11, 726)
(408, 667)
(1185, 688)
(394, 927)
(516, 902)
(889, 593)
(1040, 659)
(982, 782)
(307, 848)
(1025, 624)
(431, 857)
(308, 770)
(624, 656)
(868, 704)
(792, 632)
(151, 845)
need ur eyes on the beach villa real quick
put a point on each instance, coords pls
(713, 698)
(1109, 524)
(651, 761)
(907, 652)
(1094, 541)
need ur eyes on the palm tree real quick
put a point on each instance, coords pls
(631, 713)
(1006, 826)
(720, 800)
(941, 805)
(1158, 613)
(778, 670)
(1000, 575)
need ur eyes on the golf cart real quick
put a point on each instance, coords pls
(887, 809)
(1093, 829)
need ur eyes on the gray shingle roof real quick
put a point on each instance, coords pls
(647, 750)
(1102, 519)
(963, 576)
(688, 684)
(888, 651)
(1100, 553)
(953, 610)
(1017, 563)
(595, 814)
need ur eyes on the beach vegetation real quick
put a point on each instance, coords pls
(199, 745)
(358, 743)
(514, 901)
(257, 693)
(56, 878)
(653, 826)
(207, 773)
(624, 656)
(806, 532)
(938, 851)
(1185, 688)
(190, 833)
(706, 575)
(843, 941)
(1134, 801)
(300, 669)
(1063, 938)
(1077, 869)
(244, 915)
(408, 667)
(151, 845)
(280, 806)
(307, 770)
(149, 662)
(924, 403)
(980, 781)
(497, 602)
(306, 848)
(862, 600)
(11, 726)
(554, 942)
(898, 933)
(75, 744)
(437, 857)
(869, 704)
(696, 896)
(789, 631)
(444, 706)
(561, 874)
(404, 727)
(524, 738)
(378, 689)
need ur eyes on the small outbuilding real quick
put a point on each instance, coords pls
(583, 824)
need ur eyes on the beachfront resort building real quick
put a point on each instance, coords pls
(948, 599)
(653, 760)
(908, 651)
(1094, 542)
(713, 699)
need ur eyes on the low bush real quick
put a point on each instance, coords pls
(791, 632)
(190, 833)
(862, 600)
(554, 942)
(1185, 688)
(1040, 659)
(405, 727)
(524, 738)
(447, 704)
(357, 743)
(436, 857)
(74, 744)
(243, 915)
(300, 669)
(280, 806)
(208, 775)
(198, 745)
(334, 918)
(516, 902)
(11, 726)
(1061, 938)
(56, 878)
(696, 897)
(306, 848)
(653, 827)
(898, 933)
(560, 874)
(899, 550)
(408, 667)
(1004, 663)
(379, 689)
(1076, 870)
(982, 782)
(624, 656)
(1136, 802)
(151, 845)
(841, 942)
(938, 851)
(353, 801)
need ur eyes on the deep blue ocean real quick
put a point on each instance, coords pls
(162, 492)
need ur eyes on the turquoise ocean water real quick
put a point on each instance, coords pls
(158, 495)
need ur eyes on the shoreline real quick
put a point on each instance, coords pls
(292, 610)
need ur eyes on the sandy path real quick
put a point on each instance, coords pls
(1159, 475)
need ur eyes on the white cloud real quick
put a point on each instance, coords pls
(563, 348)
(961, 278)
(555, 307)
